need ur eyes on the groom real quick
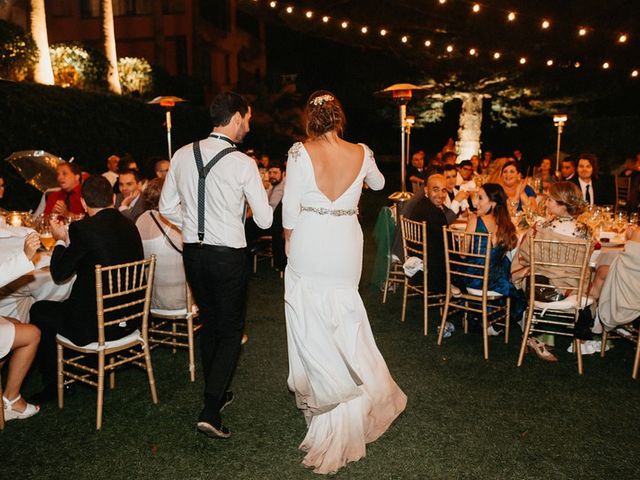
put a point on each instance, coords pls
(204, 194)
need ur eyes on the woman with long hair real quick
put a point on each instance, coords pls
(492, 217)
(564, 206)
(341, 382)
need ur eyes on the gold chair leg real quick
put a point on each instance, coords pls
(603, 342)
(404, 299)
(443, 320)
(100, 401)
(1, 409)
(386, 289)
(507, 321)
(149, 368)
(173, 335)
(525, 336)
(485, 333)
(60, 374)
(577, 346)
(425, 313)
(192, 363)
(112, 374)
(465, 318)
(636, 362)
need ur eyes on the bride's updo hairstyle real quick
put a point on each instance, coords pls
(324, 114)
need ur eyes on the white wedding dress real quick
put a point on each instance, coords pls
(340, 379)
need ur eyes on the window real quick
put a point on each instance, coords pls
(59, 8)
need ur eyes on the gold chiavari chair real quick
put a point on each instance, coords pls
(1, 393)
(623, 187)
(557, 318)
(629, 332)
(467, 256)
(173, 327)
(414, 244)
(123, 294)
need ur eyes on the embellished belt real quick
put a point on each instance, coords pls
(336, 212)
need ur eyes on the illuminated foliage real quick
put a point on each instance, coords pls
(77, 66)
(18, 52)
(136, 76)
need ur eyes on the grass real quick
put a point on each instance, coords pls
(466, 418)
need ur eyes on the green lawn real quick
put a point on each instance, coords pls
(466, 418)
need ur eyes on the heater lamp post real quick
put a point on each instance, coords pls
(559, 120)
(167, 103)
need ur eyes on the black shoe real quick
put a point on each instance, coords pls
(213, 431)
(50, 393)
(227, 399)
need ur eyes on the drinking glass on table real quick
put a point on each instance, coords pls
(46, 237)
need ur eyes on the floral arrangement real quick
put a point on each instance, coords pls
(136, 76)
(75, 65)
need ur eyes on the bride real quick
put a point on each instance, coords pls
(340, 380)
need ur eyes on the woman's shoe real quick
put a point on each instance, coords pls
(10, 414)
(541, 350)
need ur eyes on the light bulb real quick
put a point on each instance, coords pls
(476, 7)
(545, 24)
(383, 32)
(472, 51)
(364, 29)
(344, 24)
(622, 38)
(582, 32)
(325, 19)
(523, 60)
(404, 39)
(449, 48)
(497, 55)
(634, 73)
(512, 16)
(605, 65)
(289, 9)
(549, 63)
(309, 14)
(427, 43)
(272, 4)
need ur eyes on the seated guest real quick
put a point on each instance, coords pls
(587, 179)
(161, 167)
(487, 158)
(104, 237)
(568, 169)
(431, 208)
(127, 162)
(21, 339)
(164, 240)
(449, 158)
(547, 176)
(465, 172)
(475, 164)
(68, 200)
(456, 199)
(564, 205)
(619, 302)
(129, 201)
(415, 172)
(112, 169)
(275, 192)
(519, 194)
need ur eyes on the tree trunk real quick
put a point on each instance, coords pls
(109, 39)
(470, 122)
(43, 73)
(158, 33)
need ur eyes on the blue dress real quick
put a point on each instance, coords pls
(499, 273)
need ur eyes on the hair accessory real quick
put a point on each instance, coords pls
(319, 100)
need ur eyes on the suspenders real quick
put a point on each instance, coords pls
(202, 175)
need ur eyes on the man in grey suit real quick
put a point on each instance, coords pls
(129, 201)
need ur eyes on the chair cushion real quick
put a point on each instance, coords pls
(568, 303)
(478, 293)
(132, 337)
(171, 313)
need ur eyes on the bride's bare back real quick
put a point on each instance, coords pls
(336, 164)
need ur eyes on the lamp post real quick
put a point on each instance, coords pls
(168, 103)
(402, 93)
(559, 120)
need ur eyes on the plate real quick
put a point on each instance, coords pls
(612, 241)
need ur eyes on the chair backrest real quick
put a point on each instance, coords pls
(467, 256)
(571, 256)
(123, 294)
(414, 240)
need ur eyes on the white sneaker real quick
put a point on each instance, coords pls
(492, 332)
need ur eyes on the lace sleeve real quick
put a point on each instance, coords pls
(292, 187)
(373, 177)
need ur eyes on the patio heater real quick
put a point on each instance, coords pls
(402, 93)
(167, 102)
(559, 119)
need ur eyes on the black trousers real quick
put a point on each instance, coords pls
(218, 279)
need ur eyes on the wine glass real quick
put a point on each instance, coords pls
(44, 230)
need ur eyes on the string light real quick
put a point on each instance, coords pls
(476, 7)
(634, 73)
(550, 62)
(576, 65)
(383, 32)
(545, 24)
(582, 32)
(523, 60)
(404, 39)
(364, 29)
(472, 51)
(344, 24)
(497, 55)
(605, 65)
(325, 19)
(309, 14)
(427, 43)
(442, 2)
(622, 38)
(449, 48)
(273, 4)
(289, 9)
(512, 16)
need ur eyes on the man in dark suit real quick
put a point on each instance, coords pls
(103, 237)
(129, 201)
(431, 209)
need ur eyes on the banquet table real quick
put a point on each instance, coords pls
(17, 297)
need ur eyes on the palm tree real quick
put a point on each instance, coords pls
(43, 73)
(109, 40)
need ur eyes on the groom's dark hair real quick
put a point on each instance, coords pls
(224, 106)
